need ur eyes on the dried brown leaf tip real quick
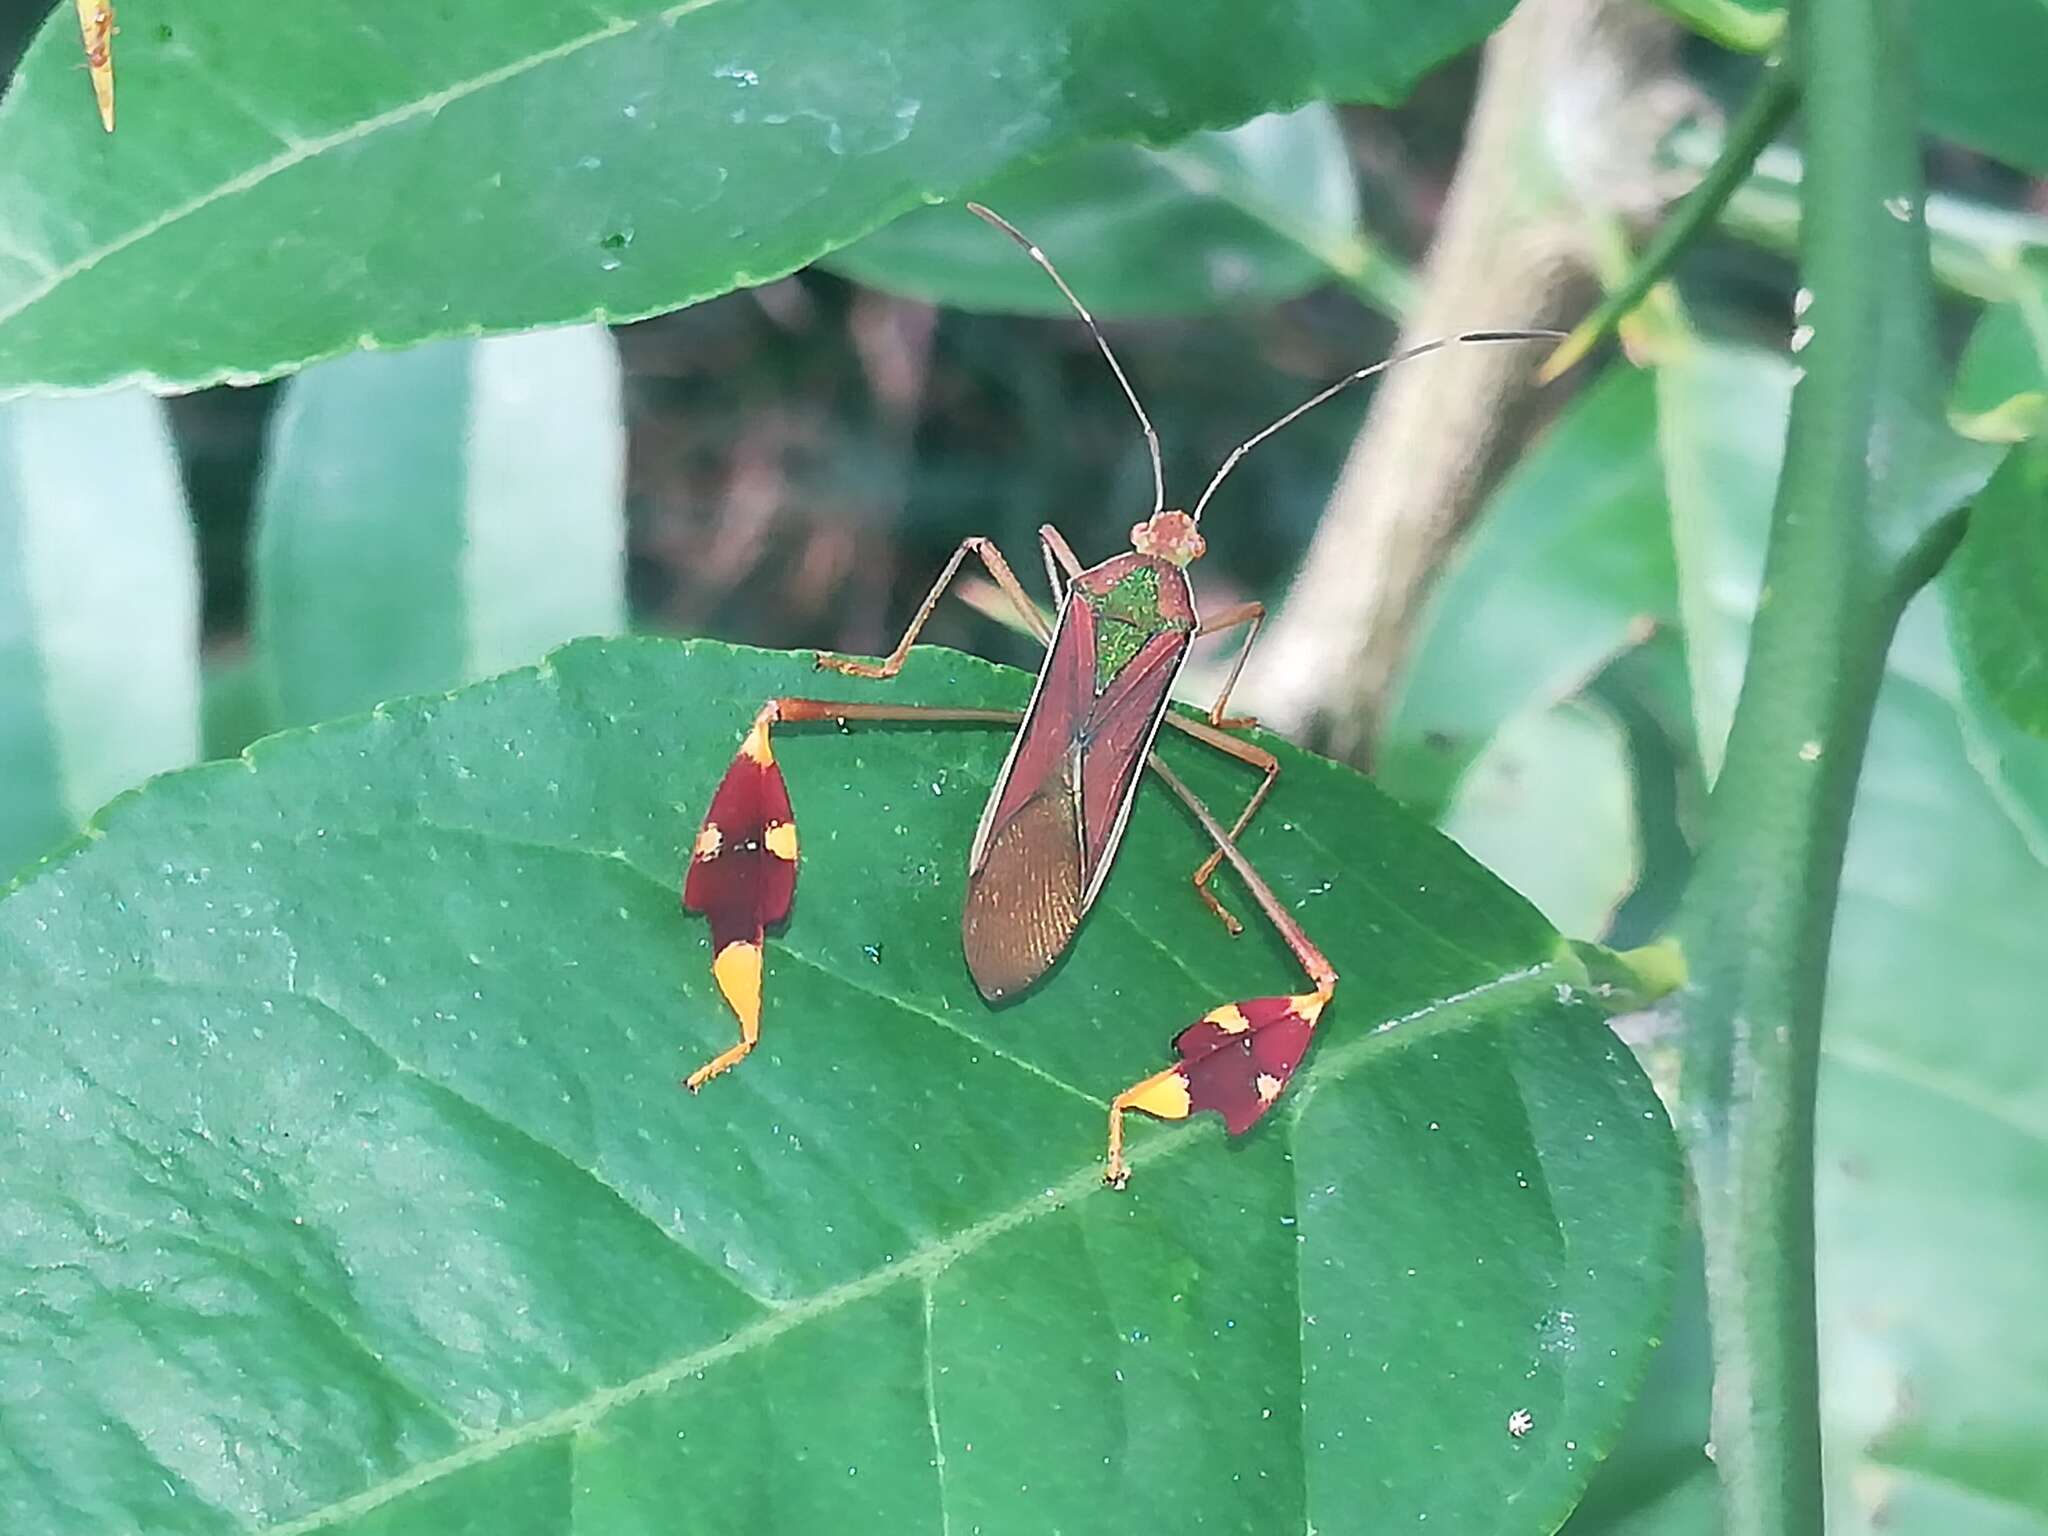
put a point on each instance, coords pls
(742, 877)
(96, 26)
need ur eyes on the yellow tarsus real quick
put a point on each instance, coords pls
(1164, 1095)
(724, 1061)
(737, 969)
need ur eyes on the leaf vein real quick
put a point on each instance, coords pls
(1878, 1062)
(931, 1408)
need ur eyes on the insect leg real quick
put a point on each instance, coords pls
(1061, 564)
(1237, 1058)
(993, 561)
(1245, 752)
(1253, 614)
(742, 869)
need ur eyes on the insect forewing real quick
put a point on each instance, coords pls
(1060, 805)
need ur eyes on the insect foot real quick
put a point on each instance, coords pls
(854, 667)
(1234, 1060)
(742, 876)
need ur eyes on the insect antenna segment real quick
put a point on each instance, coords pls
(990, 216)
(1420, 349)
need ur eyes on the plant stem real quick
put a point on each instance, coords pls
(1768, 109)
(1977, 249)
(1853, 534)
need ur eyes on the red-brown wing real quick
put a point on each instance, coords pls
(1025, 880)
(1059, 705)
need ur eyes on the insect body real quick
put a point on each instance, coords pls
(1052, 825)
(1059, 807)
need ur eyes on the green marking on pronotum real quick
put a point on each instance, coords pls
(1127, 615)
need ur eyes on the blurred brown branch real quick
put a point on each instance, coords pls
(1574, 97)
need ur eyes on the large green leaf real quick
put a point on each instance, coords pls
(348, 1182)
(1721, 411)
(1256, 214)
(430, 517)
(2001, 393)
(2001, 386)
(1548, 807)
(1980, 65)
(285, 186)
(99, 613)
(2000, 587)
(1933, 1174)
(1570, 556)
(1660, 1480)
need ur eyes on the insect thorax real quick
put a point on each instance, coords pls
(1128, 613)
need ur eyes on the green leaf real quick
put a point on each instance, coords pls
(350, 1186)
(2001, 394)
(1743, 25)
(1569, 557)
(1933, 1173)
(1660, 1479)
(2000, 586)
(1255, 215)
(2001, 384)
(235, 705)
(1548, 807)
(1981, 64)
(430, 517)
(1721, 411)
(557, 163)
(99, 613)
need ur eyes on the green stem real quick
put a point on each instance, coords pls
(1768, 109)
(1978, 250)
(1850, 542)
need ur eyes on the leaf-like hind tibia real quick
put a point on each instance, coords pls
(742, 873)
(1237, 1058)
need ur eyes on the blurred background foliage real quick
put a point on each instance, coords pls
(788, 465)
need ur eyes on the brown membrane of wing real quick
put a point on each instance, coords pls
(1024, 900)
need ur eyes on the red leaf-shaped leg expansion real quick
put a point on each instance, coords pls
(1234, 1060)
(742, 877)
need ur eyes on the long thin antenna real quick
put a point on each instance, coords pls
(990, 216)
(1350, 379)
